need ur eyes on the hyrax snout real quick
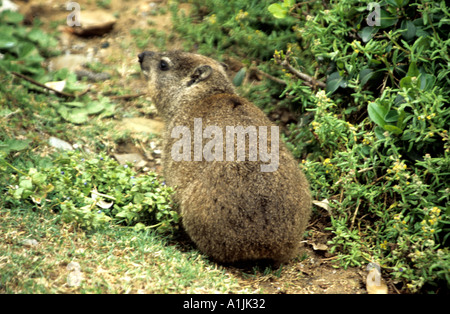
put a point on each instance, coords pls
(240, 192)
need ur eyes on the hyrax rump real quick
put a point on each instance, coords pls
(231, 208)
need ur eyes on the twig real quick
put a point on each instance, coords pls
(29, 79)
(270, 77)
(328, 258)
(11, 113)
(308, 80)
(127, 96)
(301, 75)
(14, 168)
(354, 215)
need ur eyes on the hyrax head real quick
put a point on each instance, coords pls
(175, 75)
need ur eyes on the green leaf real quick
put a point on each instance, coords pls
(11, 17)
(14, 145)
(427, 81)
(78, 116)
(365, 75)
(94, 107)
(367, 33)
(42, 39)
(18, 193)
(409, 30)
(379, 132)
(401, 118)
(406, 82)
(392, 129)
(392, 116)
(421, 43)
(139, 226)
(288, 3)
(377, 113)
(278, 10)
(138, 198)
(7, 42)
(334, 81)
(413, 70)
(239, 77)
(397, 3)
(39, 178)
(387, 19)
(26, 184)
(402, 3)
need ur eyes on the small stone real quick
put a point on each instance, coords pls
(30, 242)
(95, 22)
(68, 61)
(137, 159)
(75, 277)
(73, 266)
(60, 144)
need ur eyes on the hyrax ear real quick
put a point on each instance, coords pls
(201, 73)
(224, 66)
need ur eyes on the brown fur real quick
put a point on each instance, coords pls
(231, 209)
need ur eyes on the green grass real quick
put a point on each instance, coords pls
(131, 261)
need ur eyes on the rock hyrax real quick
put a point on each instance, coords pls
(236, 204)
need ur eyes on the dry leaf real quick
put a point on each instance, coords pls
(59, 85)
(324, 204)
(101, 203)
(319, 247)
(375, 284)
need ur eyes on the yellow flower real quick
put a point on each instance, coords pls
(212, 19)
(436, 210)
(241, 15)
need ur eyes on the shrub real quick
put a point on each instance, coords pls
(22, 49)
(245, 27)
(374, 142)
(91, 190)
(381, 135)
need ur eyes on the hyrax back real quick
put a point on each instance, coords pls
(231, 208)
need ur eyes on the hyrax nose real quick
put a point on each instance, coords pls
(142, 55)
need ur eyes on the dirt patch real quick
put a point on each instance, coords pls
(314, 271)
(313, 275)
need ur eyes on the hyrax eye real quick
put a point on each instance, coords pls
(163, 65)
